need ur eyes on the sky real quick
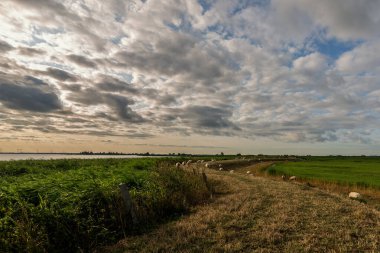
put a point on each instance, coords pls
(207, 76)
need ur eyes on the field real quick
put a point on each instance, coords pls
(76, 205)
(362, 172)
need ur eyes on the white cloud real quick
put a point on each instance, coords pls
(315, 63)
(363, 58)
(242, 68)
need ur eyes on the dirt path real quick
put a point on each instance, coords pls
(262, 215)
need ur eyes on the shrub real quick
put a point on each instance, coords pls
(271, 171)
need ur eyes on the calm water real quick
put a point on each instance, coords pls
(9, 157)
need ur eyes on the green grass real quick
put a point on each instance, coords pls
(358, 171)
(75, 205)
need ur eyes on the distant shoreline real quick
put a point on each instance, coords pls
(52, 153)
(171, 154)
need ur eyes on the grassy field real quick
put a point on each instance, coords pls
(76, 205)
(353, 171)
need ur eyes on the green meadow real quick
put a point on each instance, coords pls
(354, 171)
(76, 205)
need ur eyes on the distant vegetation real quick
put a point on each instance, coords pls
(76, 205)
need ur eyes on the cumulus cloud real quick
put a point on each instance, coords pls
(360, 59)
(220, 68)
(313, 63)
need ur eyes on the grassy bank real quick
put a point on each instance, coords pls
(76, 205)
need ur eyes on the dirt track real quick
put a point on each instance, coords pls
(253, 214)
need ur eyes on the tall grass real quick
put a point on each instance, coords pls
(76, 205)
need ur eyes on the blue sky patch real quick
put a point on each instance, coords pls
(333, 47)
(248, 3)
(206, 5)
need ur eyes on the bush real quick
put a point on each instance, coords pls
(271, 171)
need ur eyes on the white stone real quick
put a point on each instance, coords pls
(354, 195)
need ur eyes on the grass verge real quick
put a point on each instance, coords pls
(340, 175)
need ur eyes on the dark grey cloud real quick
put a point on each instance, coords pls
(119, 104)
(28, 51)
(86, 96)
(4, 47)
(82, 61)
(16, 95)
(60, 75)
(35, 80)
(122, 109)
(160, 98)
(111, 84)
(209, 117)
(72, 87)
(200, 119)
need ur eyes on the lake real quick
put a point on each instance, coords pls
(9, 157)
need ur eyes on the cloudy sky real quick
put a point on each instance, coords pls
(250, 76)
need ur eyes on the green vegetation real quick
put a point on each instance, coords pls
(356, 171)
(76, 205)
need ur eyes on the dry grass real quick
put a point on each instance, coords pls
(256, 214)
